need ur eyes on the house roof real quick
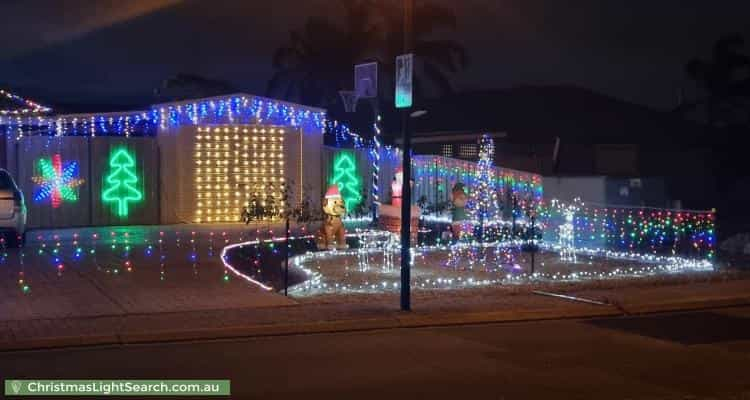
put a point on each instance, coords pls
(13, 104)
(532, 114)
(239, 95)
(185, 102)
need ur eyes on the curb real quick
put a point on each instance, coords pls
(393, 321)
(390, 321)
(60, 341)
(689, 305)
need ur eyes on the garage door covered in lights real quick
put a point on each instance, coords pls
(236, 166)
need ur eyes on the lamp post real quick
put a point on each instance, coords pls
(406, 220)
(286, 256)
(406, 188)
(406, 214)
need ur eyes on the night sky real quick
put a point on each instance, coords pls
(117, 52)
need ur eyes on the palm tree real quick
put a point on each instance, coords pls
(437, 58)
(724, 83)
(726, 89)
(317, 62)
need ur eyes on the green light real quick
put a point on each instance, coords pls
(121, 182)
(346, 177)
(404, 78)
(403, 98)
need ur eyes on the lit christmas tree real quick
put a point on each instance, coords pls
(346, 177)
(121, 185)
(483, 205)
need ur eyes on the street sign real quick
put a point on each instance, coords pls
(404, 75)
(366, 80)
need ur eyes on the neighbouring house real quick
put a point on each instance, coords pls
(573, 133)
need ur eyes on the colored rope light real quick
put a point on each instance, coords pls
(28, 106)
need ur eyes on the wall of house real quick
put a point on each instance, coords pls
(110, 158)
(165, 170)
(163, 157)
(390, 160)
(179, 179)
(435, 176)
(362, 171)
(77, 181)
(73, 152)
(648, 192)
(590, 189)
(608, 191)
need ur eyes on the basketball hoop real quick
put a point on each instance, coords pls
(349, 98)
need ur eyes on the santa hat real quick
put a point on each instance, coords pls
(333, 192)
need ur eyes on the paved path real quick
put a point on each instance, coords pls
(360, 312)
(698, 355)
(105, 272)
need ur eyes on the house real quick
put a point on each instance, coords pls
(564, 131)
(197, 160)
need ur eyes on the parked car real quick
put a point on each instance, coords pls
(12, 209)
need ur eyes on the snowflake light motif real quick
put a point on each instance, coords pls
(57, 182)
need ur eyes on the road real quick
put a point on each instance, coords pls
(701, 354)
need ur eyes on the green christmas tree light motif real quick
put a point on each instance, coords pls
(346, 177)
(121, 183)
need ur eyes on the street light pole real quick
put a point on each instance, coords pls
(406, 187)
(406, 218)
(286, 257)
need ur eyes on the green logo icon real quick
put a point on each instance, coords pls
(16, 386)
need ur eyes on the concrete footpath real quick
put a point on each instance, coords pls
(369, 312)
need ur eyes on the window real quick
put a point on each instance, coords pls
(467, 151)
(447, 150)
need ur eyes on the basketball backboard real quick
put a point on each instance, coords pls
(366, 80)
